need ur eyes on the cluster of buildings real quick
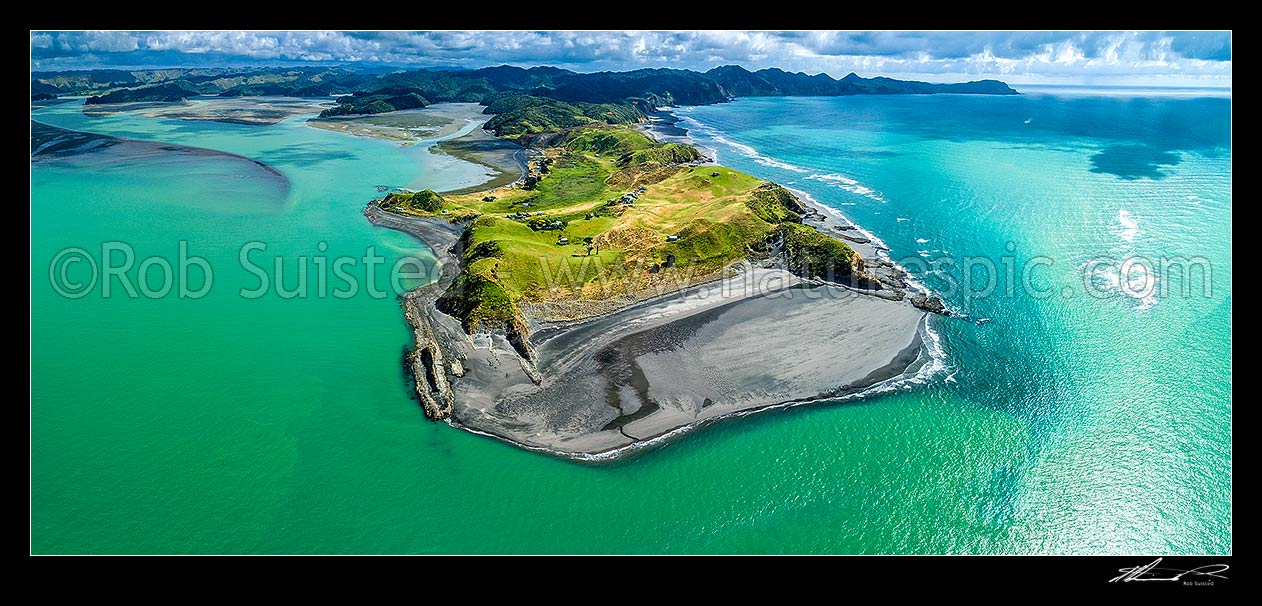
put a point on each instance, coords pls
(629, 197)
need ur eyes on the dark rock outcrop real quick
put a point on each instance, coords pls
(928, 303)
(427, 364)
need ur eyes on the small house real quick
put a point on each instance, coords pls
(671, 238)
(562, 241)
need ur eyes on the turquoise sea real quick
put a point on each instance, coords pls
(1061, 424)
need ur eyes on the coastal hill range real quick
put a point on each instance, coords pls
(413, 88)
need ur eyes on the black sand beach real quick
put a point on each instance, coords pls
(605, 386)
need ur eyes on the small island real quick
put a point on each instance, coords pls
(626, 290)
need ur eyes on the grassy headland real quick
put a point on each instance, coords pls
(606, 212)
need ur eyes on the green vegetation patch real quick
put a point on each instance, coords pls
(775, 204)
(573, 178)
(478, 301)
(607, 141)
(518, 115)
(424, 201)
(375, 103)
(610, 213)
(812, 254)
(529, 263)
(163, 93)
(641, 175)
(664, 154)
(712, 245)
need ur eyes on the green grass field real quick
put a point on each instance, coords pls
(688, 224)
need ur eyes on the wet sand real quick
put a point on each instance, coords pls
(637, 376)
(662, 125)
(54, 143)
(408, 126)
(259, 111)
(68, 148)
(48, 142)
(506, 158)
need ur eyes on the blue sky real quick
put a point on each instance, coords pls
(1144, 58)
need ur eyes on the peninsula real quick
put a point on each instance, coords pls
(610, 286)
(626, 290)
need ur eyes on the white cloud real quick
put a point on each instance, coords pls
(1072, 57)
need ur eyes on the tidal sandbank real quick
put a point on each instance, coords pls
(506, 159)
(257, 111)
(52, 144)
(407, 126)
(437, 125)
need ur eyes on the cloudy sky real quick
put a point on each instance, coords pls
(1124, 58)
